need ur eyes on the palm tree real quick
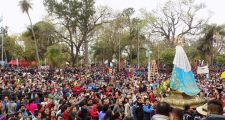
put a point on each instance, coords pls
(212, 41)
(25, 7)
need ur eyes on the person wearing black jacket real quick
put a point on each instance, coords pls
(215, 110)
(83, 114)
(188, 114)
(138, 110)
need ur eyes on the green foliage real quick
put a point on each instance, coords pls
(66, 14)
(103, 51)
(143, 59)
(135, 37)
(115, 38)
(163, 87)
(78, 19)
(45, 35)
(192, 52)
(79, 22)
(212, 41)
(25, 5)
(167, 56)
(85, 14)
(128, 12)
(12, 49)
(55, 56)
(29, 49)
(108, 43)
(220, 59)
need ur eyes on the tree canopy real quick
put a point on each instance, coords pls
(90, 33)
(212, 42)
(56, 57)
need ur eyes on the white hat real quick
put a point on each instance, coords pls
(202, 109)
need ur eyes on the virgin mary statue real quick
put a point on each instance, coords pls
(182, 79)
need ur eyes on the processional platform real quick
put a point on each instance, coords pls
(179, 100)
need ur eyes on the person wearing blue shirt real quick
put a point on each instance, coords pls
(102, 112)
(147, 108)
(18, 105)
(23, 112)
(5, 104)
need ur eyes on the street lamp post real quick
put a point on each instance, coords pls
(138, 53)
(149, 63)
(119, 50)
(148, 54)
(3, 32)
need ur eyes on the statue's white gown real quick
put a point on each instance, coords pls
(182, 79)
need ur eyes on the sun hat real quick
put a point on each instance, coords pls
(202, 109)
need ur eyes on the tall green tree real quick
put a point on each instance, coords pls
(45, 36)
(87, 11)
(29, 50)
(220, 59)
(110, 42)
(25, 6)
(78, 20)
(167, 57)
(192, 51)
(120, 39)
(135, 39)
(12, 49)
(64, 14)
(212, 42)
(56, 56)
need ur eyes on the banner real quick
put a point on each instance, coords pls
(203, 70)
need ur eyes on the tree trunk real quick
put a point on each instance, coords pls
(86, 60)
(76, 58)
(72, 54)
(77, 55)
(208, 59)
(35, 40)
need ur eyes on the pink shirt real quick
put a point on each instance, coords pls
(32, 107)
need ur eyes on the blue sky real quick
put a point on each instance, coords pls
(17, 21)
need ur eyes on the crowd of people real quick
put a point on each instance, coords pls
(98, 93)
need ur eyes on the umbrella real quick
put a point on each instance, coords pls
(12, 62)
(222, 75)
(23, 63)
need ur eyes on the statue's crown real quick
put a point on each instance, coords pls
(179, 40)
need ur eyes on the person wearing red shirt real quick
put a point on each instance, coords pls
(94, 112)
(31, 106)
(77, 90)
(65, 114)
(151, 96)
